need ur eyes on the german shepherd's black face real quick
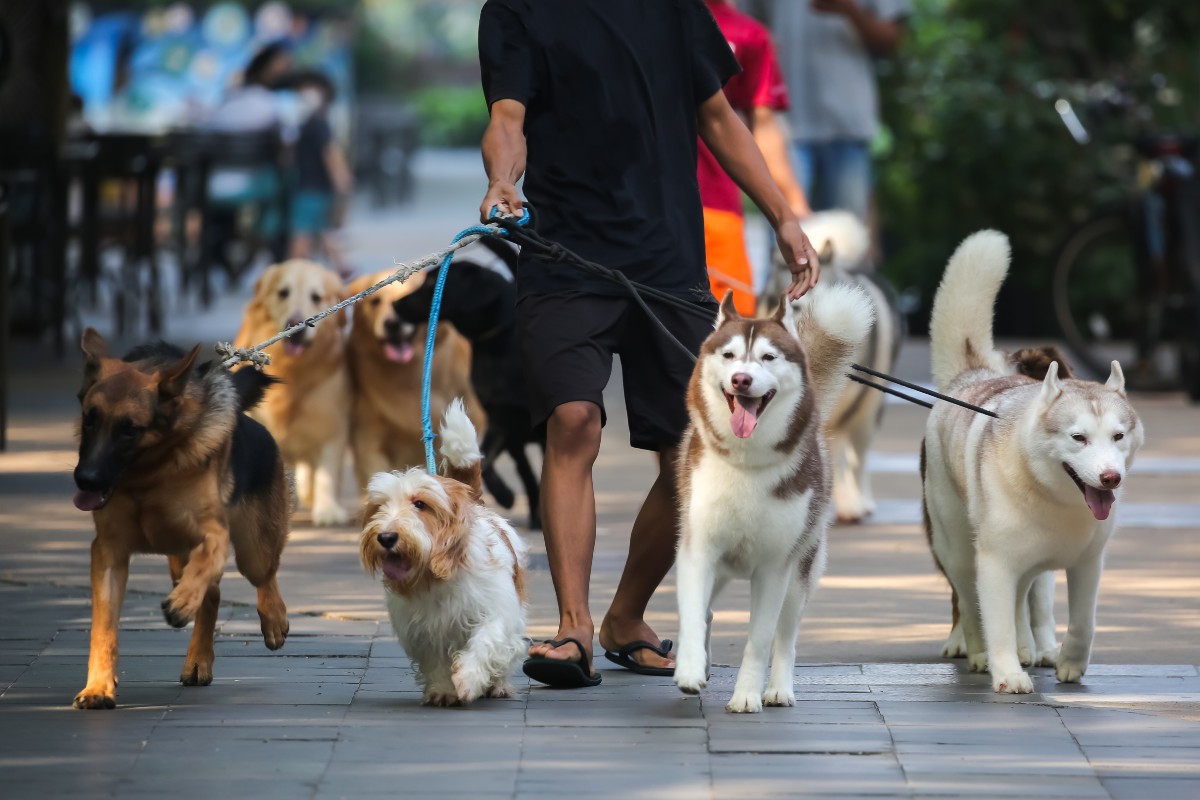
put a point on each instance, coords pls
(126, 410)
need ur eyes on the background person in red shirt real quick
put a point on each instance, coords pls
(756, 94)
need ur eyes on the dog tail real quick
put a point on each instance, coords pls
(833, 325)
(461, 459)
(961, 326)
(251, 385)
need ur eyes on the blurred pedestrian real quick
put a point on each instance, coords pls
(599, 104)
(323, 179)
(827, 48)
(757, 94)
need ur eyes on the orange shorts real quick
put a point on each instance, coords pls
(728, 264)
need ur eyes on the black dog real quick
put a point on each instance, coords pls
(482, 304)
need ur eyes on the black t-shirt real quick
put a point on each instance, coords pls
(610, 89)
(311, 171)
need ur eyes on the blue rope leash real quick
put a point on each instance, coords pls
(434, 311)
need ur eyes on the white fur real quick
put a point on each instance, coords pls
(1019, 515)
(848, 237)
(844, 313)
(963, 306)
(734, 523)
(459, 445)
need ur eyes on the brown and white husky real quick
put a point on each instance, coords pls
(755, 483)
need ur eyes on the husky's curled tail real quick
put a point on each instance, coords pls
(833, 323)
(961, 326)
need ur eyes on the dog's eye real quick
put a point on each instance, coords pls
(128, 429)
(727, 355)
(374, 301)
(316, 298)
(769, 357)
(1079, 437)
(1118, 437)
(420, 505)
(89, 419)
(284, 292)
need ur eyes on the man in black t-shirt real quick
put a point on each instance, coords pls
(599, 104)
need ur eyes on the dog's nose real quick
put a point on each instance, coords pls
(88, 479)
(391, 325)
(742, 381)
(387, 539)
(1110, 479)
(293, 322)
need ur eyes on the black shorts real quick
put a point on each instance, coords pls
(568, 340)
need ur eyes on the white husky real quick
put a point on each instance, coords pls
(1009, 500)
(754, 480)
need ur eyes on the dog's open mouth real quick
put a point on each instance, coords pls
(92, 501)
(744, 412)
(400, 353)
(396, 567)
(295, 344)
(1100, 501)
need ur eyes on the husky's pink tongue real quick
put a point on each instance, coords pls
(401, 355)
(1100, 501)
(89, 501)
(396, 568)
(745, 416)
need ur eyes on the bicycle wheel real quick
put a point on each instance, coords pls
(1099, 303)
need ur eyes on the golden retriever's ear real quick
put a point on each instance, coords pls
(335, 292)
(266, 282)
(174, 378)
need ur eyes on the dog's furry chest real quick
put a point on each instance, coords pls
(740, 514)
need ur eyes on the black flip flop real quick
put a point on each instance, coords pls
(560, 673)
(623, 657)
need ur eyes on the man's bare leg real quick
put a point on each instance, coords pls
(569, 520)
(651, 554)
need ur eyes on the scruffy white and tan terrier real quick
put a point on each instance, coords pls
(453, 571)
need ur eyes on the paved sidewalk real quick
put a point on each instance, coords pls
(335, 713)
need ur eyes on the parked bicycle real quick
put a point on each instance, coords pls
(1127, 281)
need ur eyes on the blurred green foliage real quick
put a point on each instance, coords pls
(452, 116)
(974, 140)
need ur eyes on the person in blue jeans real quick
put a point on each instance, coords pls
(322, 175)
(826, 49)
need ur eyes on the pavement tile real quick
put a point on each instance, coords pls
(964, 784)
(1146, 788)
(771, 737)
(1146, 762)
(797, 775)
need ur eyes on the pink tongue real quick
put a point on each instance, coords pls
(88, 501)
(1100, 501)
(292, 348)
(745, 416)
(395, 569)
(401, 355)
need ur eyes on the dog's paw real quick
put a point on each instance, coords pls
(956, 645)
(441, 699)
(1046, 658)
(196, 673)
(744, 703)
(469, 683)
(977, 662)
(1026, 655)
(779, 697)
(97, 697)
(690, 676)
(275, 628)
(329, 514)
(181, 606)
(1012, 683)
(500, 690)
(1070, 671)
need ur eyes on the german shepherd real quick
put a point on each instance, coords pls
(170, 464)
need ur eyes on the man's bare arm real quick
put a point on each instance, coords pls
(736, 151)
(772, 140)
(504, 157)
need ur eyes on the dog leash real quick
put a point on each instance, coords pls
(526, 236)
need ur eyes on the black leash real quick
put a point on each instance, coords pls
(525, 236)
